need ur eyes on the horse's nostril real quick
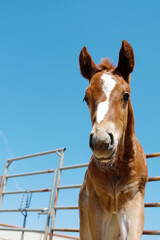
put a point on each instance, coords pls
(111, 138)
(90, 141)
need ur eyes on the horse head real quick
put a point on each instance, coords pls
(108, 99)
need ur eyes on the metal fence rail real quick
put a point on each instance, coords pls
(26, 191)
(65, 230)
(152, 204)
(27, 210)
(74, 166)
(30, 173)
(69, 186)
(153, 179)
(152, 155)
(59, 150)
(148, 232)
(21, 230)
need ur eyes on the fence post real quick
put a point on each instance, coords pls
(50, 204)
(56, 194)
(4, 181)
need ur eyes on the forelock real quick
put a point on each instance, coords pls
(106, 64)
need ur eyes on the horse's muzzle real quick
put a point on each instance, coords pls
(101, 145)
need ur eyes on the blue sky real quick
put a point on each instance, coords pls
(41, 89)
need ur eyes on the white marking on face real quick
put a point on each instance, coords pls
(108, 85)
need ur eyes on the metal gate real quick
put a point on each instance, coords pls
(56, 187)
(50, 211)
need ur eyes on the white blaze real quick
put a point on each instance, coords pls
(108, 85)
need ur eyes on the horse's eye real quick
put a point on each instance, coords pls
(86, 99)
(126, 96)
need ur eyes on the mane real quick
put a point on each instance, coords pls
(106, 64)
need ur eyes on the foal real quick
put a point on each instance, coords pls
(111, 200)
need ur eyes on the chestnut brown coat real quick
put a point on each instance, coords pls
(111, 200)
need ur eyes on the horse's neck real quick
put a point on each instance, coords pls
(130, 138)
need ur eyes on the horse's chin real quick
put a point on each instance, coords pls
(105, 159)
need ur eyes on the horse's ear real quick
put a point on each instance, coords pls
(87, 67)
(126, 61)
